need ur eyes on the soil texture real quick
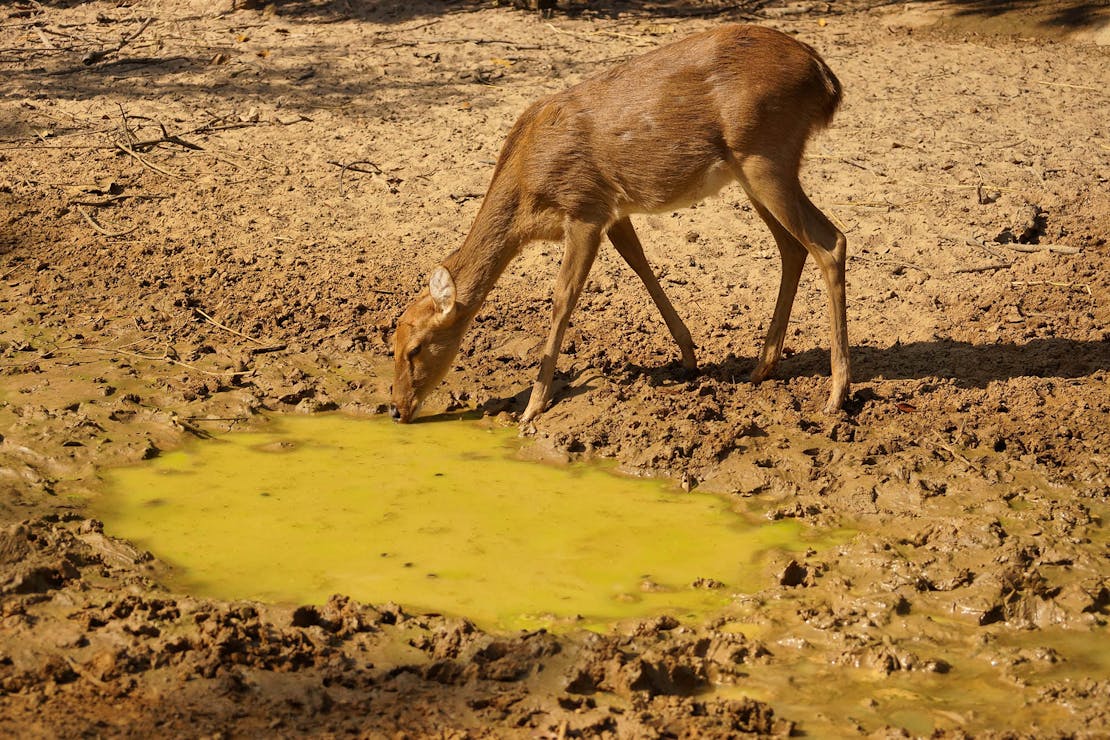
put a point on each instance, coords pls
(212, 213)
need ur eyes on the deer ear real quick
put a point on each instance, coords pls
(442, 288)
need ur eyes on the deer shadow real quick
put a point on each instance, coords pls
(968, 365)
(565, 387)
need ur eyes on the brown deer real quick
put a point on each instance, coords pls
(654, 134)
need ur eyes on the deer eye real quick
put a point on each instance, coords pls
(414, 352)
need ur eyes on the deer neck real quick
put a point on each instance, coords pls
(493, 241)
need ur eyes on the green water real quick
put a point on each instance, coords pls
(439, 517)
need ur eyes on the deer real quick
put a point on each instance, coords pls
(659, 132)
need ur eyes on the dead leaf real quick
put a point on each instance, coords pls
(905, 408)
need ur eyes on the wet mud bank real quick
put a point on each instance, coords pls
(179, 290)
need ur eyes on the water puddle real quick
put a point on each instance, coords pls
(440, 517)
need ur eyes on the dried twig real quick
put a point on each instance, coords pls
(954, 454)
(111, 200)
(406, 29)
(984, 268)
(351, 166)
(45, 41)
(95, 56)
(128, 134)
(82, 147)
(215, 323)
(267, 350)
(476, 41)
(166, 138)
(866, 204)
(220, 125)
(852, 163)
(556, 29)
(145, 163)
(98, 227)
(171, 360)
(980, 244)
(1057, 248)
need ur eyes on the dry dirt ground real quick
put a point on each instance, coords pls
(212, 213)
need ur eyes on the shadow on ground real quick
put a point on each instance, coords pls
(1069, 14)
(969, 365)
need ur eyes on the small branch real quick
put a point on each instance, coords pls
(220, 124)
(1028, 283)
(128, 134)
(172, 361)
(98, 227)
(266, 350)
(575, 34)
(45, 41)
(166, 139)
(857, 165)
(111, 200)
(351, 166)
(215, 323)
(95, 56)
(145, 163)
(956, 455)
(1032, 248)
(406, 29)
(866, 204)
(980, 244)
(984, 268)
(476, 41)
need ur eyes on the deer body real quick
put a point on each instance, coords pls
(657, 133)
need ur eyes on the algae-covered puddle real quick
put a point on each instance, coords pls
(440, 517)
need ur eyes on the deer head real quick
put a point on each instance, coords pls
(425, 343)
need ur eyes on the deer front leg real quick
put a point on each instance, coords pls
(581, 243)
(628, 246)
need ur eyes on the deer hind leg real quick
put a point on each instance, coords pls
(581, 243)
(628, 246)
(775, 187)
(793, 259)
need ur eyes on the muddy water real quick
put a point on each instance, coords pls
(975, 693)
(439, 517)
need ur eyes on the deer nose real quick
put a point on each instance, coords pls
(394, 413)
